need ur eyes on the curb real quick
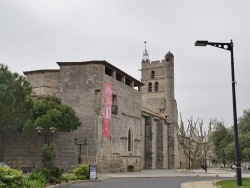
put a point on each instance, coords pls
(72, 182)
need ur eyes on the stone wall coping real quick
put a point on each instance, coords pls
(102, 62)
(40, 71)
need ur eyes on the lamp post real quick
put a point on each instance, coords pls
(189, 148)
(205, 156)
(47, 135)
(229, 47)
(85, 143)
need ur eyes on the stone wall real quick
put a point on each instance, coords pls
(20, 151)
(148, 142)
(162, 103)
(1, 147)
(81, 86)
(159, 145)
(44, 82)
(113, 155)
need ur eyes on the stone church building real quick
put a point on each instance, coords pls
(127, 124)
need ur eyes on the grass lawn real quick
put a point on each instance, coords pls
(233, 183)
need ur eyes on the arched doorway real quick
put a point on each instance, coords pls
(130, 168)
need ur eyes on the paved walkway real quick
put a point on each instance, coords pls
(226, 173)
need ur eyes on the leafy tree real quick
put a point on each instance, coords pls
(15, 105)
(48, 156)
(49, 112)
(244, 135)
(223, 142)
(244, 122)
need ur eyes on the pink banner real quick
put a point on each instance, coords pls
(106, 118)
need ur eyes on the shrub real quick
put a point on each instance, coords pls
(82, 171)
(37, 176)
(48, 156)
(10, 177)
(68, 177)
(55, 172)
(53, 180)
(45, 172)
(32, 184)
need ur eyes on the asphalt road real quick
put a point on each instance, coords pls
(166, 182)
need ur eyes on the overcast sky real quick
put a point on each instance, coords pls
(37, 34)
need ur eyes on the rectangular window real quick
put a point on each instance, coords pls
(109, 71)
(127, 82)
(118, 77)
(114, 104)
(98, 101)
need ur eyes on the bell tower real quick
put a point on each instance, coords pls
(158, 98)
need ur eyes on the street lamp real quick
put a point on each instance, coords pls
(229, 47)
(205, 155)
(189, 148)
(85, 143)
(49, 133)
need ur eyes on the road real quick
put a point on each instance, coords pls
(166, 182)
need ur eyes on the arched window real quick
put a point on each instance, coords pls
(149, 87)
(130, 140)
(152, 74)
(156, 86)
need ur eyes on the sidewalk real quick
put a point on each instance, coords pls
(226, 173)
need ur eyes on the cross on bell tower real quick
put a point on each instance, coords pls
(145, 53)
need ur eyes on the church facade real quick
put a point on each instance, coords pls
(127, 124)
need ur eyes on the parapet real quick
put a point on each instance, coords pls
(153, 64)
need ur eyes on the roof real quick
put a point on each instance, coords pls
(169, 54)
(101, 62)
(150, 113)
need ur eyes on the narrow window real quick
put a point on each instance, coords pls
(149, 87)
(130, 140)
(114, 104)
(152, 74)
(98, 100)
(156, 86)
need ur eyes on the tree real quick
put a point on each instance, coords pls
(244, 135)
(49, 112)
(48, 156)
(195, 141)
(223, 142)
(15, 105)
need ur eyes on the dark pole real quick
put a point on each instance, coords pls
(229, 46)
(189, 155)
(205, 160)
(236, 139)
(45, 138)
(85, 143)
(80, 153)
